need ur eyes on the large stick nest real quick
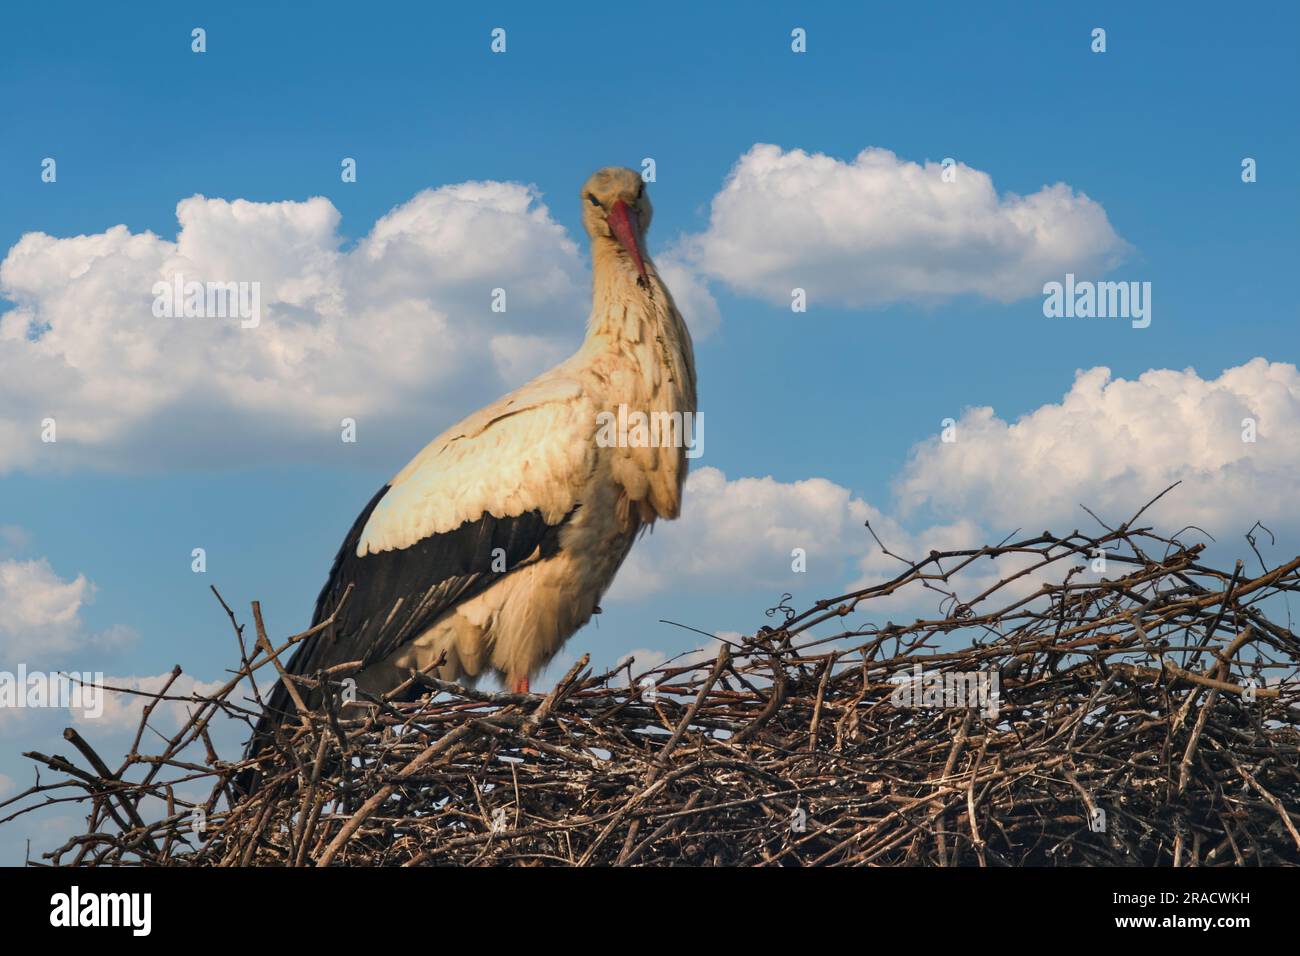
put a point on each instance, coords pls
(1144, 717)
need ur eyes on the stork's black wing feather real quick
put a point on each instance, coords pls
(396, 595)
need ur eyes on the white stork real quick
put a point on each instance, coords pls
(495, 544)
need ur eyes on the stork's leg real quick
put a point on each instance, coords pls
(519, 685)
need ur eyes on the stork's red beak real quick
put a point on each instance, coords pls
(622, 222)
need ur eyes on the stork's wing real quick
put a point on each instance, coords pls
(505, 478)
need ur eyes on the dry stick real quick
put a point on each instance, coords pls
(1078, 697)
(199, 720)
(821, 696)
(1225, 662)
(1273, 801)
(1084, 795)
(562, 686)
(660, 762)
(135, 747)
(108, 780)
(310, 797)
(255, 834)
(386, 791)
(970, 806)
(673, 821)
(1218, 616)
(147, 713)
(948, 766)
(264, 643)
(774, 702)
(1202, 680)
(94, 786)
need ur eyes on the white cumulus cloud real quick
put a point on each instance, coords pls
(1112, 444)
(746, 530)
(881, 229)
(394, 332)
(122, 709)
(40, 614)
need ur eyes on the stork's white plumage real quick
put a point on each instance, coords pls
(494, 545)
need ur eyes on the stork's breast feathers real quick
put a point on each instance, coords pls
(531, 451)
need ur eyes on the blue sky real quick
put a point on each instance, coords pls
(1153, 131)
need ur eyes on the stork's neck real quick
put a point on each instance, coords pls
(638, 322)
(638, 354)
(626, 309)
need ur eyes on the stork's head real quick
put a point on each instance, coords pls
(615, 206)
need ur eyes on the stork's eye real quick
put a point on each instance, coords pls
(593, 200)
